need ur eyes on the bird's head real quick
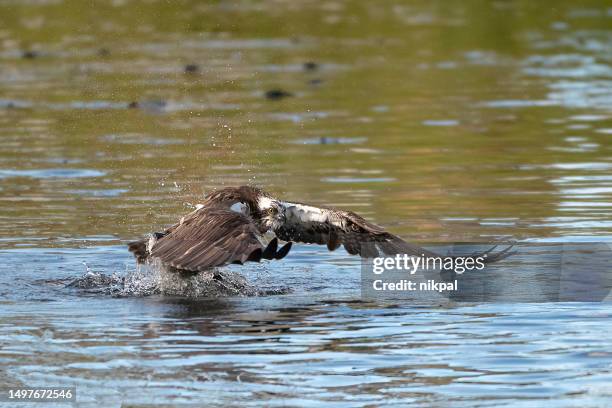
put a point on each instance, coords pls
(272, 212)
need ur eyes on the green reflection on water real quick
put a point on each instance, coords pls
(445, 132)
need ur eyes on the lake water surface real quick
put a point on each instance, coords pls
(464, 122)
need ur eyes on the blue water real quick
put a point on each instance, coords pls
(319, 344)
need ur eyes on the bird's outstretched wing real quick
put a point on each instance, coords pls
(325, 226)
(211, 237)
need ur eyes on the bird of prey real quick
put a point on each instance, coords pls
(231, 226)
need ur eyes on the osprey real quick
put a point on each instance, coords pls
(232, 223)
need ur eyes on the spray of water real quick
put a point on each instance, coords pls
(155, 279)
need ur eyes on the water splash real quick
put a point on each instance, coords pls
(154, 279)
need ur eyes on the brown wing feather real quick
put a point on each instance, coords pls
(207, 238)
(325, 226)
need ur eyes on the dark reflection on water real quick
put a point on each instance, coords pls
(467, 122)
